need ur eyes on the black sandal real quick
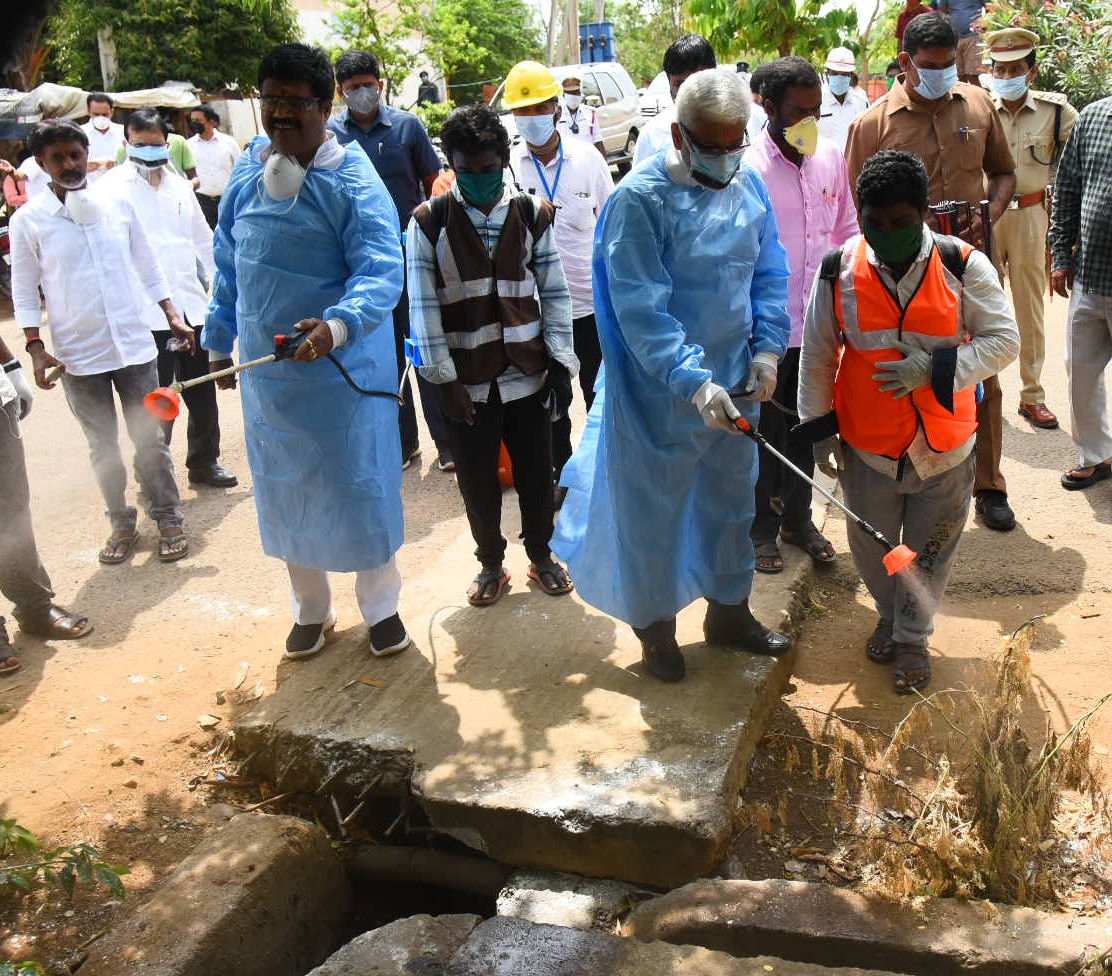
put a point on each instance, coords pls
(913, 668)
(812, 542)
(118, 547)
(880, 648)
(769, 558)
(551, 577)
(1071, 481)
(488, 586)
(56, 623)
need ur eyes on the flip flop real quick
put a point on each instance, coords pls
(551, 577)
(880, 648)
(9, 664)
(1071, 481)
(172, 547)
(57, 623)
(488, 587)
(116, 550)
(769, 558)
(812, 542)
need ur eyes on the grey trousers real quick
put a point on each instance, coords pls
(91, 401)
(1088, 352)
(928, 516)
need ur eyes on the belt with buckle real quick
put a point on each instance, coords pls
(1023, 200)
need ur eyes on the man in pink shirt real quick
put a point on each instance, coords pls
(807, 179)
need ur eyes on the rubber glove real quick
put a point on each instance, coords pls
(715, 407)
(557, 391)
(762, 377)
(23, 388)
(456, 403)
(828, 456)
(904, 376)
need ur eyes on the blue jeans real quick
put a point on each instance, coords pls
(91, 402)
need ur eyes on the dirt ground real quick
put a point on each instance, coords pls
(100, 741)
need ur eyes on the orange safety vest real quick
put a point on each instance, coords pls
(870, 319)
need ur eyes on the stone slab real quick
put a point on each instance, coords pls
(422, 944)
(264, 896)
(568, 900)
(816, 922)
(528, 731)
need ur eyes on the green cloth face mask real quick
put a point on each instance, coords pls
(480, 189)
(895, 246)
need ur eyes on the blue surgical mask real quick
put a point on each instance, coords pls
(838, 84)
(936, 82)
(149, 155)
(713, 172)
(535, 129)
(1010, 89)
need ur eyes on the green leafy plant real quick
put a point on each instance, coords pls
(364, 25)
(21, 969)
(1075, 43)
(807, 28)
(24, 863)
(433, 116)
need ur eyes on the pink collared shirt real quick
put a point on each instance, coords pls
(814, 213)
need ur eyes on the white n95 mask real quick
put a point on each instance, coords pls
(283, 176)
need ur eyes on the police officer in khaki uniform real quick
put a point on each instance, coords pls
(1037, 124)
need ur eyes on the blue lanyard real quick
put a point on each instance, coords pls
(550, 192)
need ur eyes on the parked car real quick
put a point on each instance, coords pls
(656, 97)
(609, 90)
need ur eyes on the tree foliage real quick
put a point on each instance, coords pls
(778, 27)
(1075, 50)
(363, 26)
(216, 44)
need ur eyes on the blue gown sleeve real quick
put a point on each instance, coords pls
(640, 288)
(376, 268)
(772, 325)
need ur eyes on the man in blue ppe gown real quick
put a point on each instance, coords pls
(691, 286)
(308, 239)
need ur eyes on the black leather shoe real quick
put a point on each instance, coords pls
(995, 511)
(659, 651)
(733, 625)
(214, 475)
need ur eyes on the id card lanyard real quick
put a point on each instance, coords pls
(550, 191)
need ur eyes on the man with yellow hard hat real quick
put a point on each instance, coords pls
(1037, 124)
(574, 177)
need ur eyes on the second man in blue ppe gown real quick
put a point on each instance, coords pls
(691, 286)
(308, 239)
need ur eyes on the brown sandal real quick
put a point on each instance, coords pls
(488, 586)
(118, 547)
(769, 558)
(9, 664)
(880, 648)
(172, 545)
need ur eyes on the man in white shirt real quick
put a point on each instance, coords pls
(105, 136)
(23, 580)
(578, 183)
(215, 154)
(98, 274)
(177, 230)
(684, 57)
(577, 119)
(841, 102)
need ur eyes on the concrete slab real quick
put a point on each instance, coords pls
(421, 944)
(528, 731)
(265, 896)
(568, 900)
(816, 922)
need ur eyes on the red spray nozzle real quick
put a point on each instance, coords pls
(164, 403)
(898, 558)
(743, 425)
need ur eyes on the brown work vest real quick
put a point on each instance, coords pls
(488, 304)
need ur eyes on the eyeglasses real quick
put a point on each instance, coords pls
(292, 103)
(714, 150)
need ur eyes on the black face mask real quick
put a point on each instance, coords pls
(196, 127)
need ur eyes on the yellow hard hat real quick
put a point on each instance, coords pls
(529, 83)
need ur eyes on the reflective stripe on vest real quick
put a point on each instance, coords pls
(871, 320)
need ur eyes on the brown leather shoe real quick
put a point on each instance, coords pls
(1038, 415)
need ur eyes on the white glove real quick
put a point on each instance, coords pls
(828, 456)
(23, 388)
(903, 376)
(762, 377)
(716, 407)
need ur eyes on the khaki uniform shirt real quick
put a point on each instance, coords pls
(960, 138)
(1030, 134)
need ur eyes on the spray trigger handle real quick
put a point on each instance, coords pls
(286, 345)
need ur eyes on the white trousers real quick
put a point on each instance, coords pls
(377, 591)
(1088, 352)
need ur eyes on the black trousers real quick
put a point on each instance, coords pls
(589, 353)
(203, 430)
(778, 416)
(210, 207)
(23, 579)
(430, 396)
(525, 427)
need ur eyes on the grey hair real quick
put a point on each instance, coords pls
(713, 95)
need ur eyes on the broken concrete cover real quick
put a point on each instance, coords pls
(816, 922)
(568, 900)
(528, 731)
(264, 896)
(421, 944)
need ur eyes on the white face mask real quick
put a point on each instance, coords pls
(101, 123)
(81, 207)
(573, 102)
(283, 176)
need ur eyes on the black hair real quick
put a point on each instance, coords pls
(98, 97)
(300, 62)
(1029, 57)
(146, 120)
(474, 129)
(893, 176)
(929, 30)
(207, 111)
(689, 54)
(742, 67)
(785, 73)
(756, 79)
(352, 63)
(893, 65)
(54, 131)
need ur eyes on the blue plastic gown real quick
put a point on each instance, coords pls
(325, 461)
(689, 284)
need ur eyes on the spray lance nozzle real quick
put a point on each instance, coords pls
(896, 558)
